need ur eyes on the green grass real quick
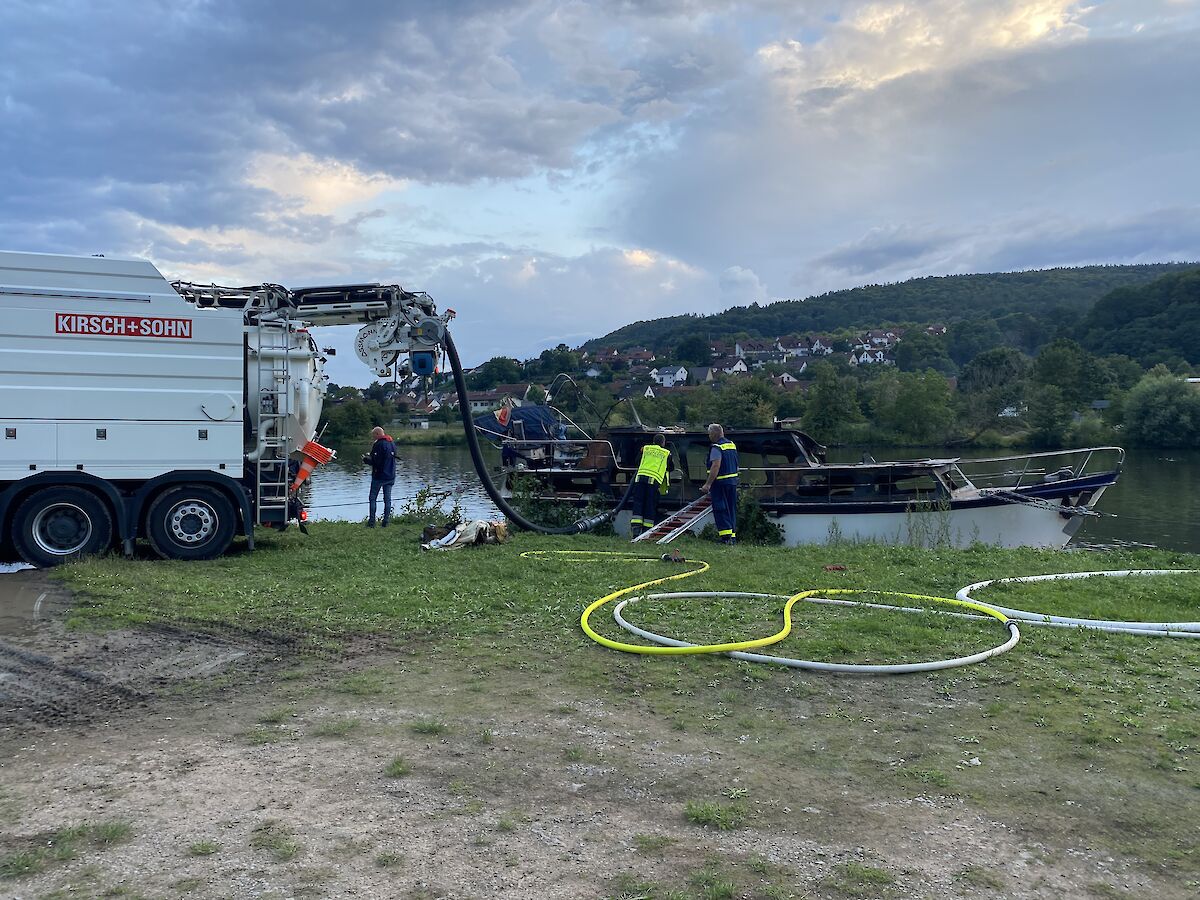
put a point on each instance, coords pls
(29, 856)
(277, 716)
(429, 727)
(722, 816)
(1083, 704)
(651, 844)
(275, 838)
(397, 768)
(979, 877)
(388, 860)
(336, 727)
(204, 848)
(852, 879)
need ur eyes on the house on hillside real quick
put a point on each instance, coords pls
(820, 345)
(481, 401)
(702, 374)
(519, 393)
(878, 356)
(749, 349)
(593, 372)
(793, 346)
(731, 365)
(786, 381)
(768, 359)
(624, 390)
(935, 330)
(883, 337)
(719, 349)
(669, 376)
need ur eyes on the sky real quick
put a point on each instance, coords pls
(554, 170)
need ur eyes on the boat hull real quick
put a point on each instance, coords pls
(1049, 524)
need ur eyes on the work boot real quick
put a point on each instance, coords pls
(383, 522)
(370, 523)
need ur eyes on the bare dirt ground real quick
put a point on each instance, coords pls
(230, 765)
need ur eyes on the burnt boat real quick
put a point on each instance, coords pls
(1027, 500)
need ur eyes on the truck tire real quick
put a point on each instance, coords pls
(191, 522)
(60, 524)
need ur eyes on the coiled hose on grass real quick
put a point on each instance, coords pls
(1152, 629)
(666, 646)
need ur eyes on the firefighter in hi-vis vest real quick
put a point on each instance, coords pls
(651, 478)
(722, 483)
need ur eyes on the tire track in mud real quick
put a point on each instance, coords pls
(52, 675)
(35, 689)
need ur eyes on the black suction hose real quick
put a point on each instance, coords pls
(485, 478)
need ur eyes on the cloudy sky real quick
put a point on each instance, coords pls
(552, 170)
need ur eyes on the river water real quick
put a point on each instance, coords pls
(1155, 503)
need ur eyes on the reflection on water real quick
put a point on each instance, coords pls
(1156, 502)
(339, 490)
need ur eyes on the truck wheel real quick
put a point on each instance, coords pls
(191, 522)
(60, 524)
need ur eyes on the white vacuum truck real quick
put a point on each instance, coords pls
(133, 407)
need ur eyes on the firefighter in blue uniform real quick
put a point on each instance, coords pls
(722, 484)
(651, 479)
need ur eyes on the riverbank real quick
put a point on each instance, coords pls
(437, 725)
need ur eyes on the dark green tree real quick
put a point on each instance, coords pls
(1163, 411)
(920, 351)
(990, 383)
(497, 370)
(746, 403)
(693, 350)
(1048, 416)
(968, 339)
(832, 404)
(1067, 366)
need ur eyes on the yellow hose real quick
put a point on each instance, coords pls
(656, 650)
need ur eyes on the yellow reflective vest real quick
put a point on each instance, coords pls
(654, 463)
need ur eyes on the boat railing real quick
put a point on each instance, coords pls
(1030, 468)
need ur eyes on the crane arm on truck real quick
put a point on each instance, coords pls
(394, 321)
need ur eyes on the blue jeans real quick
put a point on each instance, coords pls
(376, 484)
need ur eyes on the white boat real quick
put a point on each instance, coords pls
(1027, 500)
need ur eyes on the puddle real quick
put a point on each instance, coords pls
(28, 599)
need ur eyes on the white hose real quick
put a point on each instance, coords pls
(1014, 635)
(1152, 629)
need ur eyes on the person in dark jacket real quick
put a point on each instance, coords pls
(382, 460)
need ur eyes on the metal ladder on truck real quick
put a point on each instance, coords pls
(678, 522)
(272, 478)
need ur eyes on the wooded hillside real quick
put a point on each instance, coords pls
(1029, 308)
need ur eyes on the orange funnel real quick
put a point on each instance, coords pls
(314, 455)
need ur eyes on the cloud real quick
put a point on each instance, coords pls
(517, 302)
(555, 168)
(1052, 130)
(884, 255)
(740, 285)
